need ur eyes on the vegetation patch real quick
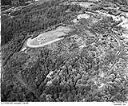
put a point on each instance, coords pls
(87, 63)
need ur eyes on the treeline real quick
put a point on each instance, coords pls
(9, 2)
(122, 2)
(5, 2)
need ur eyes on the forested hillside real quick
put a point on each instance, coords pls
(90, 63)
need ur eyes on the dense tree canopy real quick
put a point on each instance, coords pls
(6, 2)
(89, 64)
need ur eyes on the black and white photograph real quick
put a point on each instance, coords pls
(64, 51)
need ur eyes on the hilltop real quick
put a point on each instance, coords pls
(65, 50)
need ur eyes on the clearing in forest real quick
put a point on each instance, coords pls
(48, 37)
